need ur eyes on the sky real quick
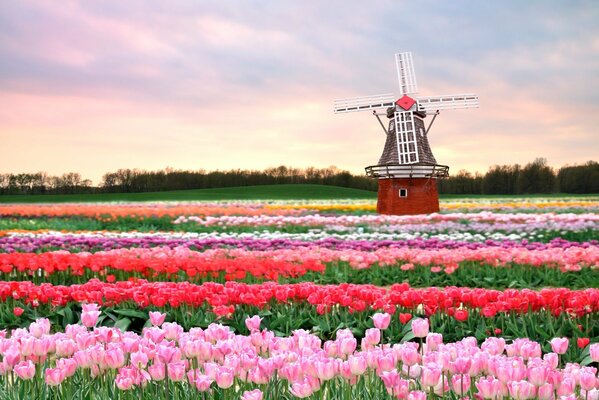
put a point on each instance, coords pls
(94, 86)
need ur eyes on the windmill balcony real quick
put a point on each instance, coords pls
(389, 171)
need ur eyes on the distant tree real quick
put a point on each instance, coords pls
(579, 178)
(536, 177)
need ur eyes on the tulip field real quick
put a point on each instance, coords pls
(488, 299)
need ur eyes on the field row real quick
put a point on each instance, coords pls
(287, 300)
(165, 361)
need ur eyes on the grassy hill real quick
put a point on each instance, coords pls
(271, 192)
(263, 192)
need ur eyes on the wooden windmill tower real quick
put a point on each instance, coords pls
(407, 171)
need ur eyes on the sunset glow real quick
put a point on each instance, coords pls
(92, 87)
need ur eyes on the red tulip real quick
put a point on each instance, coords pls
(404, 318)
(461, 315)
(583, 342)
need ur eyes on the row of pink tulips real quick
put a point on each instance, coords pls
(216, 359)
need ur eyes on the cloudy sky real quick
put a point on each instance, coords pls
(95, 86)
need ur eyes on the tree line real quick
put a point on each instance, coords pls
(136, 180)
(532, 178)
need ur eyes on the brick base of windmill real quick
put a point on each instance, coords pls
(417, 194)
(407, 196)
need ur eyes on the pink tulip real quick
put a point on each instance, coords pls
(203, 383)
(157, 371)
(357, 364)
(530, 349)
(139, 359)
(205, 351)
(90, 318)
(12, 356)
(54, 376)
(36, 329)
(551, 359)
(325, 370)
(65, 347)
(489, 387)
(114, 358)
(559, 345)
(520, 390)
(587, 380)
(545, 392)
(166, 353)
(176, 371)
(566, 387)
(420, 327)
(372, 336)
(417, 395)
(90, 307)
(172, 330)
(460, 383)
(253, 323)
(390, 378)
(433, 340)
(348, 345)
(592, 394)
(27, 345)
(157, 318)
(385, 363)
(224, 378)
(301, 389)
(155, 334)
(594, 351)
(123, 382)
(538, 375)
(25, 370)
(255, 394)
(68, 366)
(493, 346)
(431, 375)
(41, 347)
(381, 320)
(409, 355)
(462, 365)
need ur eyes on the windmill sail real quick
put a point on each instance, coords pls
(449, 102)
(364, 103)
(405, 73)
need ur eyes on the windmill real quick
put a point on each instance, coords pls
(407, 171)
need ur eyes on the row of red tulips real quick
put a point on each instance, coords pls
(223, 298)
(236, 263)
(162, 263)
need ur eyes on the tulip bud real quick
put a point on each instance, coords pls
(420, 327)
(381, 320)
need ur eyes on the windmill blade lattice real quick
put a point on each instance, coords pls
(448, 102)
(405, 73)
(364, 103)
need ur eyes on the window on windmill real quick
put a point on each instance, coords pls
(421, 132)
(403, 192)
